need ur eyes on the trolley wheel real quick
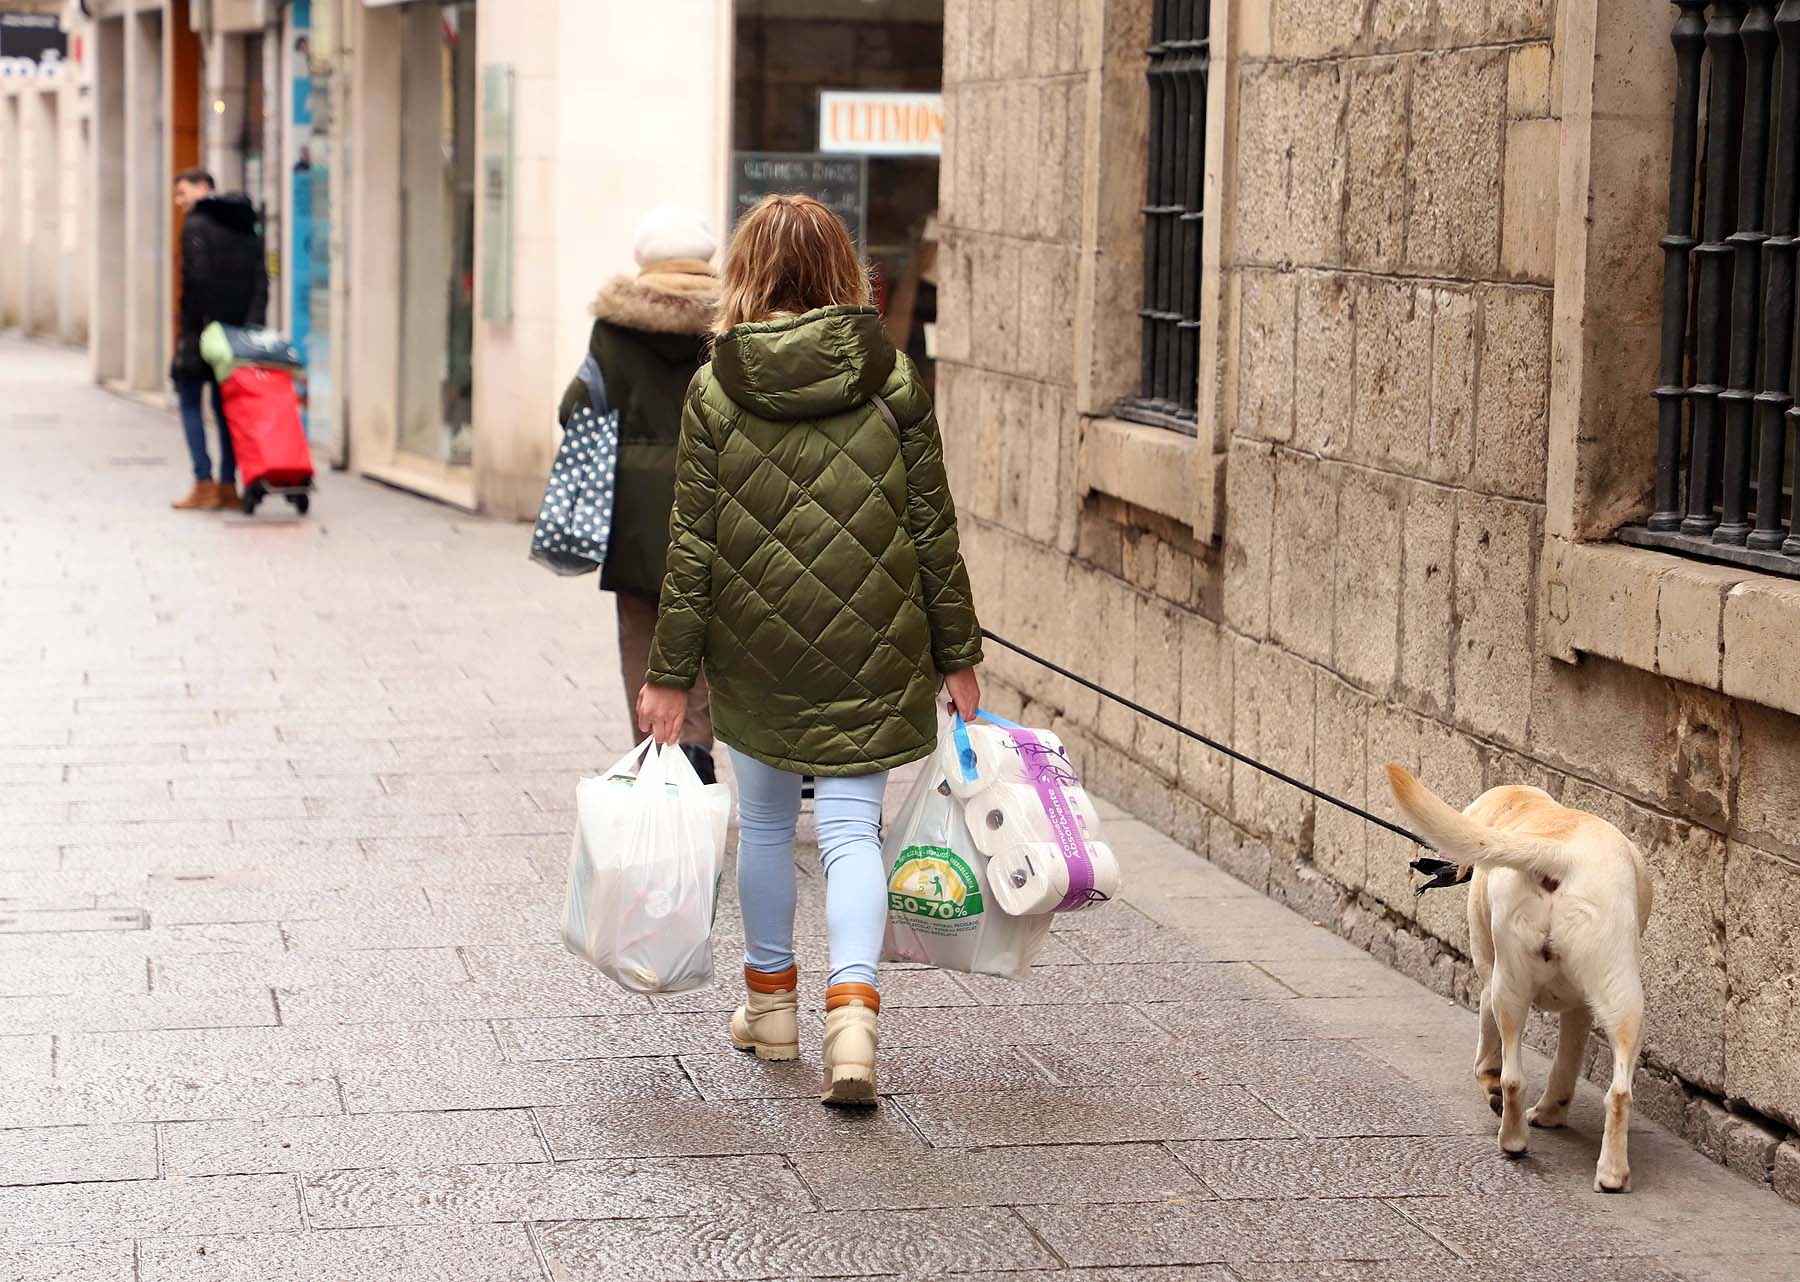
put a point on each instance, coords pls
(253, 494)
(301, 502)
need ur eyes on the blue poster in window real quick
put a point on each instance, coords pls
(300, 191)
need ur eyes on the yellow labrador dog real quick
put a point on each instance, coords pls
(1558, 902)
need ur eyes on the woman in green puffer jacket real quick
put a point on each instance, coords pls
(814, 572)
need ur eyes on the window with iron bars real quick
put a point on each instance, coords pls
(1180, 59)
(1726, 459)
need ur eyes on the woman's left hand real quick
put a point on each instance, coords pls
(661, 710)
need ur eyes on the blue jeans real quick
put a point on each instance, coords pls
(856, 889)
(190, 392)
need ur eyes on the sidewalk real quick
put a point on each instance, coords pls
(283, 823)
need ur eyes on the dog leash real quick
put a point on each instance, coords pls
(1441, 872)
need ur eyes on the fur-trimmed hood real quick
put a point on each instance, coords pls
(678, 296)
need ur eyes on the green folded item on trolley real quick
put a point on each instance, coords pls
(225, 347)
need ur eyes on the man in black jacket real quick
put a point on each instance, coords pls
(223, 278)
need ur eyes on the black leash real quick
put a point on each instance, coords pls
(1434, 867)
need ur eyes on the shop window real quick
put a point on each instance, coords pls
(788, 51)
(437, 194)
(1174, 217)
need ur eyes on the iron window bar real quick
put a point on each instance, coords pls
(1174, 217)
(1725, 477)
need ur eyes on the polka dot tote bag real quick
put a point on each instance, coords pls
(575, 520)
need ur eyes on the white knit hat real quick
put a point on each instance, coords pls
(668, 232)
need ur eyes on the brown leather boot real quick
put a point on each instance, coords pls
(227, 496)
(850, 1041)
(205, 494)
(768, 1022)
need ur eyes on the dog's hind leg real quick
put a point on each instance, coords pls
(1510, 1011)
(1552, 1108)
(1487, 1050)
(1625, 1025)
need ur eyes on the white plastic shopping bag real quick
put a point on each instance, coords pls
(644, 871)
(941, 908)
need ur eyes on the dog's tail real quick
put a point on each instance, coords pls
(1472, 844)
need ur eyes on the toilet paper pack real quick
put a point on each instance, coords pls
(996, 755)
(1012, 813)
(1035, 878)
(941, 904)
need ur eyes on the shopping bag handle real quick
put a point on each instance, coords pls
(965, 751)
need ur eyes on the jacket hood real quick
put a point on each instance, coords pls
(677, 296)
(231, 209)
(822, 362)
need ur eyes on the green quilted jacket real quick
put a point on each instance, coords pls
(813, 561)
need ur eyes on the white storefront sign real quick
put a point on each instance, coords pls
(881, 123)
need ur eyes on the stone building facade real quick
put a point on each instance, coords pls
(1430, 290)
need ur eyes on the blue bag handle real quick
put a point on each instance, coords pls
(965, 751)
(595, 383)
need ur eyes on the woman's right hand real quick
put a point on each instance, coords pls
(660, 711)
(965, 692)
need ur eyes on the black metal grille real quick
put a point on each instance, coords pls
(1173, 215)
(1726, 491)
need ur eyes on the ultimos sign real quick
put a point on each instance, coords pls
(31, 44)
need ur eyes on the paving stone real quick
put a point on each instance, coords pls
(1228, 941)
(829, 1244)
(345, 1143)
(1518, 1227)
(622, 1036)
(399, 1086)
(441, 1253)
(1558, 1270)
(1328, 1088)
(288, 971)
(67, 1154)
(1310, 1017)
(38, 921)
(148, 1208)
(581, 1190)
(682, 1128)
(24, 975)
(725, 1074)
(375, 1001)
(1017, 1026)
(191, 904)
(1209, 1232)
(27, 1055)
(360, 929)
(137, 1011)
(1360, 976)
(1410, 1167)
(1040, 1174)
(1091, 1115)
(156, 941)
(201, 1052)
(88, 1262)
(124, 1094)
(1126, 982)
(1129, 1064)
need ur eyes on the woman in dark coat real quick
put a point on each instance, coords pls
(650, 334)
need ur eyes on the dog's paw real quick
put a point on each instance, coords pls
(1548, 1116)
(1612, 1181)
(1514, 1148)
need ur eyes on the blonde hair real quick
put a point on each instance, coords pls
(788, 255)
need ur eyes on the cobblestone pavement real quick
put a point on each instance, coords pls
(284, 809)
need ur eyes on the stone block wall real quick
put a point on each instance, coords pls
(1386, 283)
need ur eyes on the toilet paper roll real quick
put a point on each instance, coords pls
(1036, 878)
(1011, 814)
(999, 760)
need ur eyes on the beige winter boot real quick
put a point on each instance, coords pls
(767, 1022)
(850, 1038)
